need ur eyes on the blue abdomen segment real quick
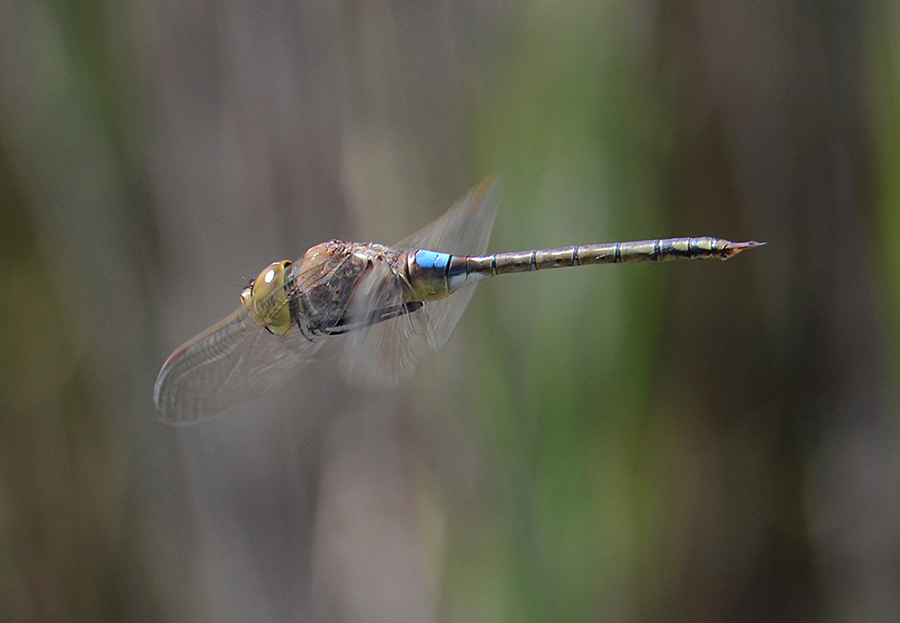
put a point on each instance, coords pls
(434, 275)
(428, 274)
(432, 260)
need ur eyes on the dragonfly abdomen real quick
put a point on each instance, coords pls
(435, 275)
(659, 250)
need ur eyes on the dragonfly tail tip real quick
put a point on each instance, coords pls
(736, 247)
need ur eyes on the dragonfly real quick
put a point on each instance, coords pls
(389, 306)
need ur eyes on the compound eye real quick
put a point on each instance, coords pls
(265, 299)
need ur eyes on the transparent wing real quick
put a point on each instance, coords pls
(464, 229)
(231, 362)
(388, 352)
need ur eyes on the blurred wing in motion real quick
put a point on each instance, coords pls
(385, 353)
(388, 352)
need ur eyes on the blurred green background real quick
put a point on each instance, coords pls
(689, 441)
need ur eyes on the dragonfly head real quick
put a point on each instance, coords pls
(266, 300)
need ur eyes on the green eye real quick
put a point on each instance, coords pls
(266, 299)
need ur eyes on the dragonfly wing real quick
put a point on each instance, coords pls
(464, 229)
(229, 363)
(236, 360)
(388, 352)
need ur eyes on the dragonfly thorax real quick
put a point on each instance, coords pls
(322, 286)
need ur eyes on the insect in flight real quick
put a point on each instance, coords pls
(389, 305)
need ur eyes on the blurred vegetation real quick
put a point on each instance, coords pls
(678, 442)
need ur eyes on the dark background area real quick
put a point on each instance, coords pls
(687, 441)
